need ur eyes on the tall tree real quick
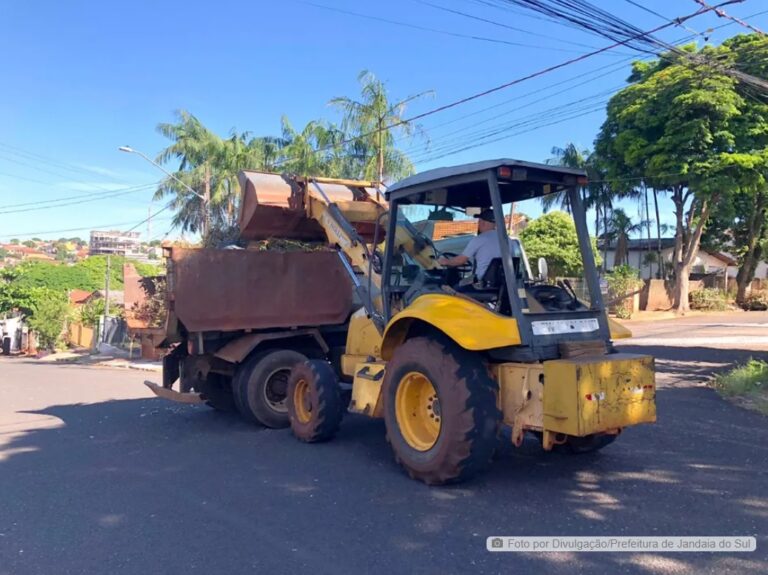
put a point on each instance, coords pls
(620, 230)
(373, 121)
(674, 125)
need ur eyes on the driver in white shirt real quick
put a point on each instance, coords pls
(482, 249)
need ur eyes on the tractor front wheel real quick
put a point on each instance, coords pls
(440, 410)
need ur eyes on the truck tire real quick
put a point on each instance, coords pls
(216, 390)
(315, 405)
(440, 411)
(260, 386)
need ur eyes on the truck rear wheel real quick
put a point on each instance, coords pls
(260, 387)
(440, 411)
(315, 405)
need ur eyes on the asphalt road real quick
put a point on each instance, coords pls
(98, 477)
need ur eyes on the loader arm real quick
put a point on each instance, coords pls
(341, 221)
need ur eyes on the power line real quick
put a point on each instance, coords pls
(500, 24)
(503, 86)
(429, 29)
(56, 163)
(722, 14)
(94, 196)
(92, 227)
(107, 196)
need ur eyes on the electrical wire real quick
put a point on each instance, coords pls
(94, 196)
(429, 29)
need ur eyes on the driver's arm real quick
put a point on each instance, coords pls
(464, 258)
(453, 262)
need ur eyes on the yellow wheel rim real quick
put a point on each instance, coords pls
(302, 401)
(417, 409)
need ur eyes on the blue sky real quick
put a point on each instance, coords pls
(82, 78)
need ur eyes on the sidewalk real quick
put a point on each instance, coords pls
(101, 360)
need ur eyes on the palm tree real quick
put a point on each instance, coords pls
(620, 228)
(313, 151)
(568, 157)
(195, 147)
(372, 121)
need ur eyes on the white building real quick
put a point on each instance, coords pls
(114, 243)
(709, 263)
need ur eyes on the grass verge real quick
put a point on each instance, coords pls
(746, 384)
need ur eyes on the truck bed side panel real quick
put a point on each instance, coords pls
(226, 290)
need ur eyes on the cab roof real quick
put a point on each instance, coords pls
(466, 185)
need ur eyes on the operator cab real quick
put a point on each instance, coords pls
(550, 309)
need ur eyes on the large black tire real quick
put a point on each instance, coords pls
(6, 346)
(454, 436)
(315, 404)
(260, 386)
(216, 390)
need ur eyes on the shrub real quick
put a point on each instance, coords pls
(48, 319)
(748, 378)
(623, 281)
(709, 299)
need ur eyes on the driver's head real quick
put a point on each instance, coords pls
(485, 221)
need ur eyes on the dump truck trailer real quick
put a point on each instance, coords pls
(386, 326)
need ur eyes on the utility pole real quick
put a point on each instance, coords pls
(106, 303)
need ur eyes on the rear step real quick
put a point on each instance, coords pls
(174, 395)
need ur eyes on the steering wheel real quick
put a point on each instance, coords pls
(463, 269)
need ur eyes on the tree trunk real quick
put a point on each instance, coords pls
(206, 202)
(380, 165)
(658, 234)
(755, 233)
(648, 227)
(682, 283)
(687, 248)
(605, 243)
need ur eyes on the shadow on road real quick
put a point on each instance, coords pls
(691, 366)
(144, 486)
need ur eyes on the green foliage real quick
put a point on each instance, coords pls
(553, 237)
(89, 313)
(48, 318)
(709, 299)
(623, 281)
(87, 274)
(153, 309)
(15, 241)
(147, 270)
(4, 253)
(745, 379)
(29, 244)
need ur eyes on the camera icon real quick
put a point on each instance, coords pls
(497, 543)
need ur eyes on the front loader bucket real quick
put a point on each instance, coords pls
(274, 205)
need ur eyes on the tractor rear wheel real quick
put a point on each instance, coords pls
(260, 386)
(315, 405)
(440, 410)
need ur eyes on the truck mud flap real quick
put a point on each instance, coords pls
(173, 395)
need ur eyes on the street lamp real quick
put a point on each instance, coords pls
(189, 188)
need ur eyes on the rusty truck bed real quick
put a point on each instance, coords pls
(227, 290)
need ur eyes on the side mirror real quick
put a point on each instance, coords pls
(543, 270)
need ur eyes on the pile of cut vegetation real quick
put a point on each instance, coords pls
(285, 245)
